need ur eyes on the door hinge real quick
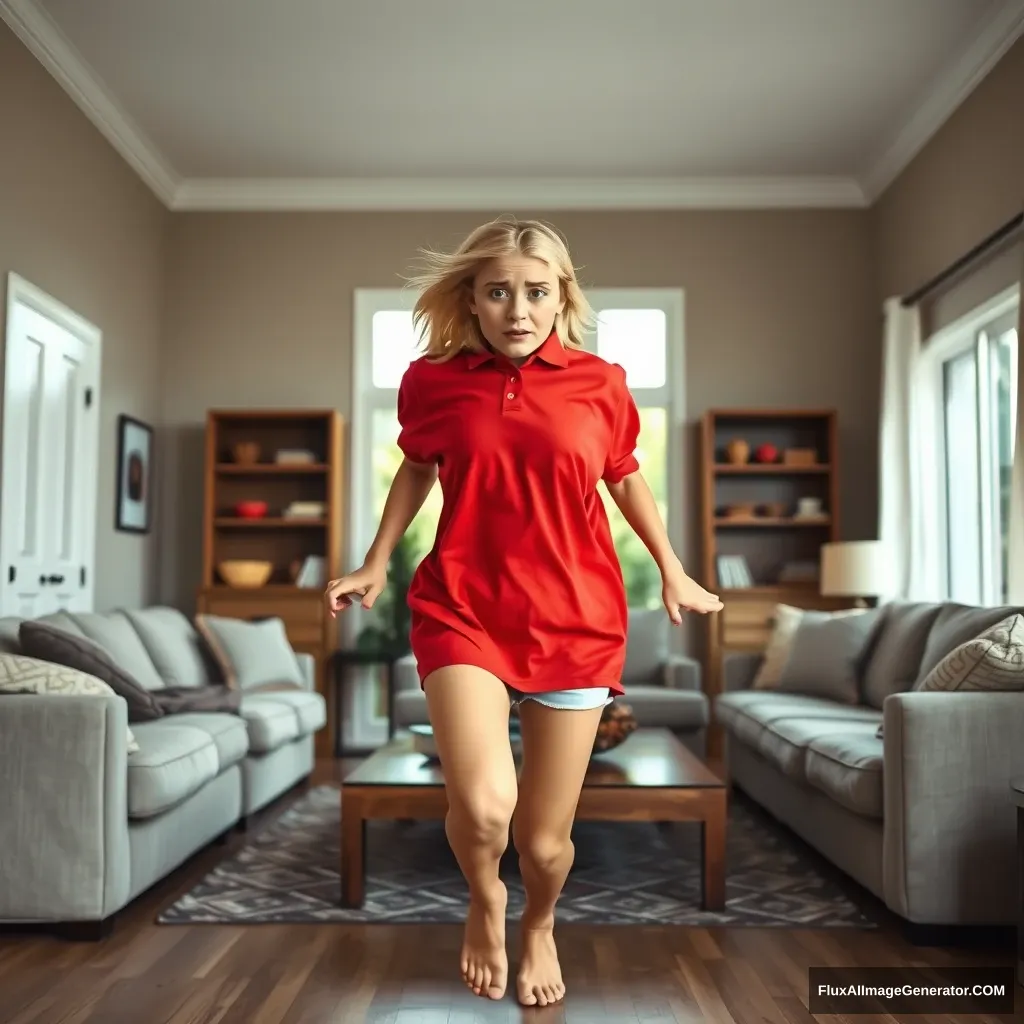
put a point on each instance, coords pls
(88, 398)
(11, 573)
(81, 576)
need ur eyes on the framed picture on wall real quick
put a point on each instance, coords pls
(134, 475)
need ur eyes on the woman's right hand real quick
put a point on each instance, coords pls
(367, 581)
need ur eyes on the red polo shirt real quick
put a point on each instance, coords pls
(523, 579)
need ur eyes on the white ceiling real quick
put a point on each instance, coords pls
(391, 103)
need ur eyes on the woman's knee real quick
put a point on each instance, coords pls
(542, 850)
(486, 809)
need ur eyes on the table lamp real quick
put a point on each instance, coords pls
(854, 568)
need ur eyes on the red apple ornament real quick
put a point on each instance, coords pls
(766, 453)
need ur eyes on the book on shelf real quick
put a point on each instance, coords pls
(733, 571)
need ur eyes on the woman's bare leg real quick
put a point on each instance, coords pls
(469, 711)
(556, 750)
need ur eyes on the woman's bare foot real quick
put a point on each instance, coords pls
(540, 976)
(484, 961)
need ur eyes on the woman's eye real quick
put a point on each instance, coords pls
(497, 293)
(539, 293)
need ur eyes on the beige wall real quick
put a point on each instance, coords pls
(78, 223)
(967, 182)
(779, 312)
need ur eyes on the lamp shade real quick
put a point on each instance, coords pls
(853, 568)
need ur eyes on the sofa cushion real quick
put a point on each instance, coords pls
(992, 661)
(827, 653)
(785, 741)
(647, 645)
(173, 762)
(310, 709)
(746, 713)
(50, 643)
(955, 625)
(228, 732)
(252, 655)
(174, 646)
(896, 655)
(114, 632)
(271, 723)
(846, 765)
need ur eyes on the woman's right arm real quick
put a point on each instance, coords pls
(408, 491)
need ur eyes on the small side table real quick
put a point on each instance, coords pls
(345, 658)
(1017, 790)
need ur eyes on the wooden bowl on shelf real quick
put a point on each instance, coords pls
(245, 573)
(246, 453)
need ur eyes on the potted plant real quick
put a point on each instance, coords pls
(388, 631)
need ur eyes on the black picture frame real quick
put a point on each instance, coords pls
(133, 512)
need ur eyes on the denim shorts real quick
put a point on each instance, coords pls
(565, 700)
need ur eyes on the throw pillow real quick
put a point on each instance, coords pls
(787, 620)
(175, 700)
(50, 643)
(22, 674)
(991, 661)
(826, 655)
(252, 655)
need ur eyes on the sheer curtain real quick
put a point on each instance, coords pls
(1015, 554)
(908, 462)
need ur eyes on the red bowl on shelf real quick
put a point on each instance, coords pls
(251, 509)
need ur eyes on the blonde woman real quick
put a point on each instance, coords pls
(521, 599)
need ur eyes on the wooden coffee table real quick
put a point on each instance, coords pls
(649, 777)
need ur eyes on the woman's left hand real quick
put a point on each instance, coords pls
(680, 594)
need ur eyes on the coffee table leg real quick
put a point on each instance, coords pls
(713, 856)
(353, 851)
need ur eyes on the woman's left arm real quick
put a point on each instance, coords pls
(638, 507)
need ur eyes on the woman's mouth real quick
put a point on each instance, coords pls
(516, 334)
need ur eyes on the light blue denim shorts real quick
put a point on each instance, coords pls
(565, 700)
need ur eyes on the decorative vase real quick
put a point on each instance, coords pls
(737, 451)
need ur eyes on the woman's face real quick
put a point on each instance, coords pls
(516, 299)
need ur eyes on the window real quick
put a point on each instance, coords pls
(641, 329)
(973, 371)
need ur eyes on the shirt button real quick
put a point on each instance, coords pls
(512, 380)
(511, 394)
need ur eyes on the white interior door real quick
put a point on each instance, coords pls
(50, 455)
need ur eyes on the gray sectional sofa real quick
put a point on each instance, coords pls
(86, 826)
(920, 815)
(662, 688)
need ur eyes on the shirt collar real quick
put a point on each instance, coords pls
(551, 352)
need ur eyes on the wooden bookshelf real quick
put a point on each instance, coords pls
(750, 509)
(276, 537)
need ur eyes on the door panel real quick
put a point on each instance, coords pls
(50, 456)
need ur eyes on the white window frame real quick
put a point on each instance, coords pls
(956, 339)
(367, 398)
(671, 395)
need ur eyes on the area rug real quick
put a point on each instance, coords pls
(626, 873)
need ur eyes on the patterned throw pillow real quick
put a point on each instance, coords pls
(991, 661)
(21, 674)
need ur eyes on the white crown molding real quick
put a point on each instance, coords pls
(47, 43)
(504, 193)
(946, 94)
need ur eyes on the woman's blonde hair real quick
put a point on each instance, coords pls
(442, 315)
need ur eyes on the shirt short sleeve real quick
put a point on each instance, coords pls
(412, 437)
(621, 458)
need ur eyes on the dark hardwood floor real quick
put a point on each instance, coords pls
(300, 974)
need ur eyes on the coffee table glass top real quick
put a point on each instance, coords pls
(649, 758)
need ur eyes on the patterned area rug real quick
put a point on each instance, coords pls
(625, 874)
